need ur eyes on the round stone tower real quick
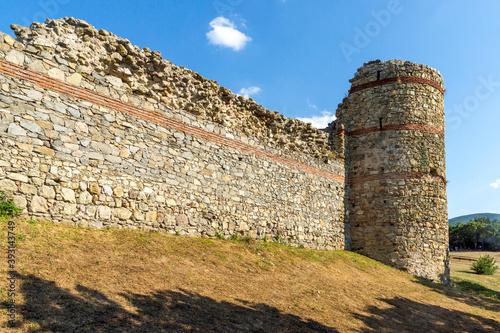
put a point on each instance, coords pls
(393, 123)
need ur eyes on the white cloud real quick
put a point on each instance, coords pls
(224, 33)
(496, 184)
(247, 92)
(320, 121)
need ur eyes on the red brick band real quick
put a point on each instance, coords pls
(399, 79)
(155, 117)
(396, 176)
(395, 127)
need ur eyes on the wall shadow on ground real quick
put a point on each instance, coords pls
(55, 309)
(405, 315)
(86, 310)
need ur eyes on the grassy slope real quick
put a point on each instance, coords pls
(74, 279)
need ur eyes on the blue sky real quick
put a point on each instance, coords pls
(296, 57)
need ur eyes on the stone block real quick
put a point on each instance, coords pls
(138, 215)
(151, 216)
(18, 177)
(75, 79)
(45, 151)
(85, 198)
(44, 124)
(182, 220)
(33, 94)
(104, 212)
(38, 205)
(124, 153)
(74, 112)
(57, 74)
(25, 147)
(109, 118)
(16, 130)
(8, 40)
(107, 190)
(28, 189)
(118, 191)
(96, 224)
(94, 188)
(20, 201)
(94, 156)
(68, 194)
(113, 159)
(69, 209)
(38, 66)
(47, 192)
(15, 57)
(122, 213)
(81, 127)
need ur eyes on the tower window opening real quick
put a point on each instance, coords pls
(378, 75)
(380, 123)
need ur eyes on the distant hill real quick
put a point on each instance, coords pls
(467, 218)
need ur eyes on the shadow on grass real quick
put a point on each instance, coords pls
(86, 310)
(469, 286)
(403, 315)
(54, 309)
(467, 292)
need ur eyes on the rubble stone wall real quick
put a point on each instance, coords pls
(81, 148)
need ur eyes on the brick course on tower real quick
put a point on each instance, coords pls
(96, 132)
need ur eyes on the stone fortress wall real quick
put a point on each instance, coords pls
(97, 132)
(82, 144)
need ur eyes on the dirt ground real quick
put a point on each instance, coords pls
(79, 280)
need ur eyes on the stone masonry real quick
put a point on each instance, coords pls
(96, 132)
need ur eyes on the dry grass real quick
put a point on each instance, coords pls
(80, 280)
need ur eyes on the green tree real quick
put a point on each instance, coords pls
(478, 232)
